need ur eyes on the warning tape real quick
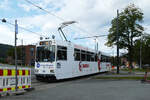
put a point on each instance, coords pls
(13, 88)
(12, 72)
(8, 79)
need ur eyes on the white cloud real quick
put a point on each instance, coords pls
(6, 35)
(93, 16)
(5, 4)
(25, 7)
(144, 5)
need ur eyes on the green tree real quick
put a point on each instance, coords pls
(144, 43)
(11, 53)
(129, 29)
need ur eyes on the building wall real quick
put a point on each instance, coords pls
(29, 55)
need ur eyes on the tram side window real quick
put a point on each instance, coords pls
(108, 59)
(83, 55)
(103, 58)
(61, 53)
(95, 57)
(77, 54)
(92, 56)
(88, 56)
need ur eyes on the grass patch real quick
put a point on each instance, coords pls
(134, 70)
(121, 78)
(11, 65)
(119, 73)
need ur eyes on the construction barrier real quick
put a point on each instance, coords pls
(8, 79)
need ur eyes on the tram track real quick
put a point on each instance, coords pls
(41, 85)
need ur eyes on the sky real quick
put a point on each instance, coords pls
(93, 17)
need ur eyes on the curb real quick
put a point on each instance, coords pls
(19, 92)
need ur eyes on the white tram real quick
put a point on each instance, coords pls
(62, 60)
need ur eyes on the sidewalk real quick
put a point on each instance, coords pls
(122, 75)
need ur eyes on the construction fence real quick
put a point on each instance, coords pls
(8, 79)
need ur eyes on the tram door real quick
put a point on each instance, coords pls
(63, 66)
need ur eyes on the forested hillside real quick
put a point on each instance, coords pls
(3, 50)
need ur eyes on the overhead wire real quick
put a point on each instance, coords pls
(90, 37)
(44, 9)
(60, 18)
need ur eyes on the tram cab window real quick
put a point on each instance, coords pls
(45, 53)
(77, 54)
(83, 55)
(61, 53)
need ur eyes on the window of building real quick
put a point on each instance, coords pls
(32, 51)
(61, 53)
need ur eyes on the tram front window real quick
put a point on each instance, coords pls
(45, 54)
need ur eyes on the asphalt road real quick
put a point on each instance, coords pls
(88, 89)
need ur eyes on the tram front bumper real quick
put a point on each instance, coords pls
(45, 75)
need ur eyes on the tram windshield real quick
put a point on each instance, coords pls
(45, 54)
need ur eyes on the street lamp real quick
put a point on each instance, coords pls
(16, 32)
(4, 20)
(64, 24)
(141, 41)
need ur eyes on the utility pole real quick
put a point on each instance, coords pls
(141, 51)
(16, 32)
(22, 53)
(117, 43)
(95, 46)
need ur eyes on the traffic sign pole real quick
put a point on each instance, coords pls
(16, 32)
